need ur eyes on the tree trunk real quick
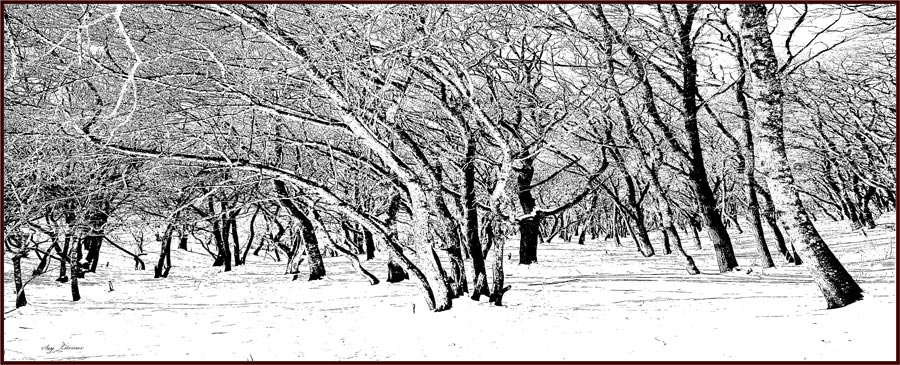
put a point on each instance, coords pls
(714, 227)
(771, 220)
(529, 228)
(183, 238)
(370, 244)
(749, 163)
(234, 238)
(226, 226)
(74, 268)
(21, 301)
(316, 264)
(331, 247)
(473, 241)
(689, 264)
(396, 273)
(666, 248)
(63, 254)
(161, 270)
(836, 284)
(216, 233)
(497, 291)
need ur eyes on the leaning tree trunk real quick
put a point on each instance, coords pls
(316, 264)
(748, 164)
(329, 244)
(161, 270)
(836, 284)
(771, 221)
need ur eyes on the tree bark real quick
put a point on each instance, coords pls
(771, 220)
(74, 268)
(836, 284)
(748, 163)
(529, 228)
(473, 241)
(21, 301)
(497, 290)
(370, 244)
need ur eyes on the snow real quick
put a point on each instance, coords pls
(590, 302)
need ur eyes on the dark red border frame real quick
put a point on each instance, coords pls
(2, 172)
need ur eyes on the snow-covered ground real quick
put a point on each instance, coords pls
(590, 302)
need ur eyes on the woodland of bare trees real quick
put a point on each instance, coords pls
(433, 134)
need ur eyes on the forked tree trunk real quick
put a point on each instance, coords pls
(836, 284)
(161, 270)
(316, 264)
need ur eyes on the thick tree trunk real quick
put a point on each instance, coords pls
(183, 238)
(528, 240)
(396, 273)
(63, 254)
(748, 163)
(836, 284)
(218, 236)
(294, 255)
(21, 301)
(370, 244)
(666, 248)
(529, 228)
(497, 290)
(713, 225)
(641, 236)
(473, 241)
